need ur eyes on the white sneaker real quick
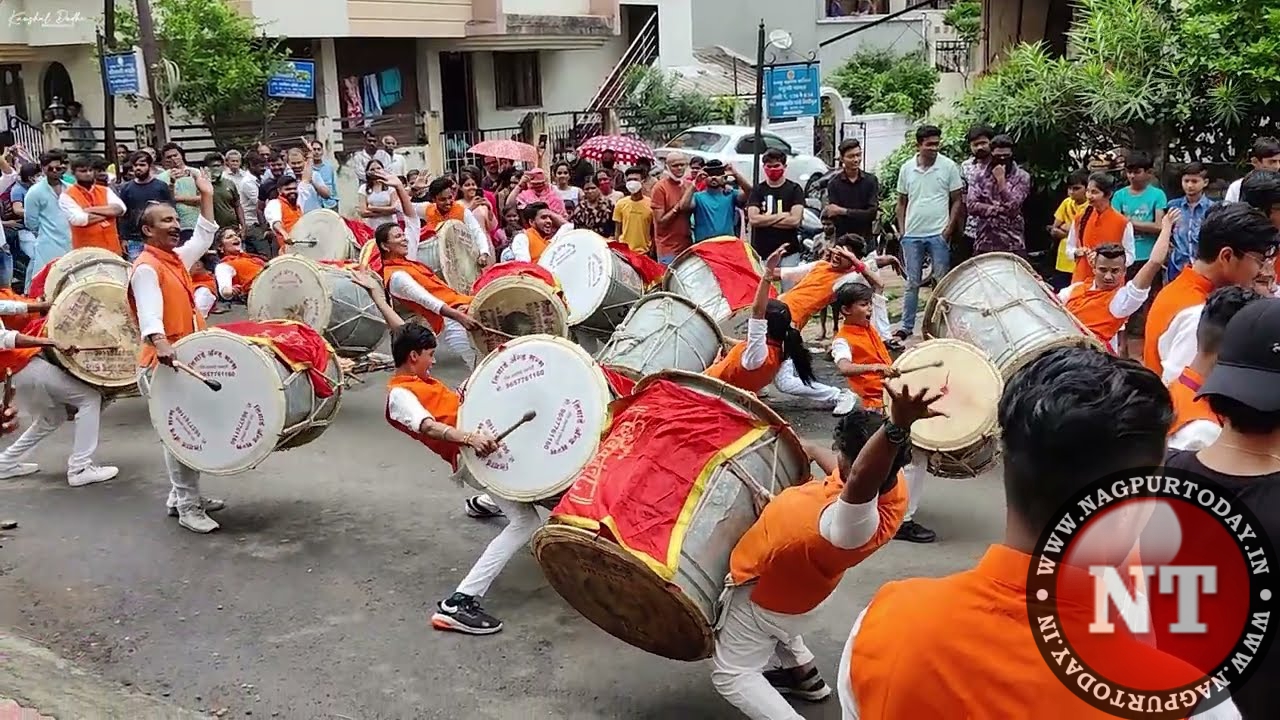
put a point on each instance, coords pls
(846, 403)
(194, 518)
(209, 505)
(18, 470)
(92, 474)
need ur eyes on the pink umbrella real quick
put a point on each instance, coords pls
(506, 150)
(625, 149)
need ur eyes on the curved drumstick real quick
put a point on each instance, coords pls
(526, 418)
(213, 385)
(934, 364)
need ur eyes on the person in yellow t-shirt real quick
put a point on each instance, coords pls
(1063, 218)
(633, 215)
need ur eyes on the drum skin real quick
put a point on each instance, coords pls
(95, 313)
(517, 305)
(323, 235)
(458, 260)
(599, 286)
(689, 275)
(325, 298)
(663, 331)
(77, 259)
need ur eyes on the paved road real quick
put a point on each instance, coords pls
(313, 600)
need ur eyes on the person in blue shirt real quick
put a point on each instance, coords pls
(715, 209)
(327, 173)
(1194, 206)
(41, 212)
(1143, 203)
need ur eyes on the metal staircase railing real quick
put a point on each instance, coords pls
(30, 137)
(642, 51)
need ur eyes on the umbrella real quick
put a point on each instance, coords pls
(506, 150)
(625, 149)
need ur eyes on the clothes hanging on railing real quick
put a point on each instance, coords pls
(369, 94)
(351, 105)
(391, 89)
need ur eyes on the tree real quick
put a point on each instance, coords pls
(655, 107)
(965, 17)
(878, 81)
(223, 58)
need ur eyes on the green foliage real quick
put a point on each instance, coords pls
(726, 110)
(223, 58)
(954, 146)
(655, 107)
(877, 81)
(965, 17)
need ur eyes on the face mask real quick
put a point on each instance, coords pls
(775, 173)
(633, 186)
(606, 187)
(676, 175)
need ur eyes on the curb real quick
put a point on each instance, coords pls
(35, 677)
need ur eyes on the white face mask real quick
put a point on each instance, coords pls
(633, 186)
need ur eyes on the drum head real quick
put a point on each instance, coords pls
(292, 287)
(227, 431)
(517, 306)
(95, 313)
(583, 263)
(972, 388)
(458, 260)
(567, 389)
(369, 257)
(94, 266)
(623, 597)
(322, 235)
(59, 267)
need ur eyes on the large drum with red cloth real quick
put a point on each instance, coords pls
(640, 542)
(323, 235)
(322, 296)
(569, 392)
(281, 387)
(599, 285)
(720, 275)
(663, 331)
(517, 299)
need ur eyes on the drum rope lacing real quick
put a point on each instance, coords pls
(1014, 301)
(634, 341)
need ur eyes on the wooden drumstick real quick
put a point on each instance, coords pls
(934, 364)
(213, 385)
(527, 417)
(93, 348)
(498, 332)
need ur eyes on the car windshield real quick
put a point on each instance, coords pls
(698, 141)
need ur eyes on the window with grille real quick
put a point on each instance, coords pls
(517, 80)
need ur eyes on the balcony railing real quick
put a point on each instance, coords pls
(954, 56)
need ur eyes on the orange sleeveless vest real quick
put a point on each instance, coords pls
(178, 291)
(1093, 309)
(815, 291)
(868, 349)
(246, 268)
(1103, 228)
(423, 275)
(537, 243)
(438, 400)
(1189, 289)
(289, 215)
(730, 369)
(457, 212)
(1186, 407)
(101, 234)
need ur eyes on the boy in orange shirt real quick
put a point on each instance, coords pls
(859, 353)
(793, 557)
(1195, 426)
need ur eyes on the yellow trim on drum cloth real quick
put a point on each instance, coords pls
(667, 570)
(270, 344)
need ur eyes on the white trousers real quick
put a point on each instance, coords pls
(455, 337)
(45, 392)
(787, 381)
(749, 641)
(522, 522)
(915, 473)
(184, 482)
(205, 301)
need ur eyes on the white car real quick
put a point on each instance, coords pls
(732, 144)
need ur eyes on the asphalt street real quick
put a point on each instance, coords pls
(313, 600)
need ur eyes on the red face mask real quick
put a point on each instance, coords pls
(775, 172)
(606, 187)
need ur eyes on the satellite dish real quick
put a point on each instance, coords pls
(780, 39)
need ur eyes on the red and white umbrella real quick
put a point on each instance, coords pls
(506, 150)
(625, 149)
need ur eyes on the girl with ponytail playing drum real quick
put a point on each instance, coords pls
(771, 341)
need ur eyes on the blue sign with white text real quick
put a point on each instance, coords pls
(792, 91)
(121, 72)
(296, 80)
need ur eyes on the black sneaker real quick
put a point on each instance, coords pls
(912, 531)
(481, 506)
(462, 613)
(802, 683)
(901, 334)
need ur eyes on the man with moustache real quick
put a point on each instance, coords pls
(143, 190)
(91, 209)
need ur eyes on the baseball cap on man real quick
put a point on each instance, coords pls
(1248, 367)
(714, 167)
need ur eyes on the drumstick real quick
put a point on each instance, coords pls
(934, 364)
(527, 417)
(213, 385)
(93, 348)
(498, 332)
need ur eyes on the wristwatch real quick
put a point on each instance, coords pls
(895, 434)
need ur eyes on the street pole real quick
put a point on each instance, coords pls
(758, 143)
(109, 107)
(151, 59)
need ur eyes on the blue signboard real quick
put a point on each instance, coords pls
(792, 91)
(122, 74)
(296, 80)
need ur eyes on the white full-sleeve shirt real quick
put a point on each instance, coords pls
(757, 350)
(1123, 304)
(8, 339)
(1177, 345)
(76, 214)
(272, 213)
(401, 285)
(13, 307)
(1073, 243)
(224, 275)
(146, 285)
(404, 408)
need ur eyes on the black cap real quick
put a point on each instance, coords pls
(1248, 367)
(714, 167)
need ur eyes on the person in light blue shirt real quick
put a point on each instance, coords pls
(41, 212)
(1194, 206)
(328, 174)
(182, 182)
(1143, 203)
(929, 200)
(715, 209)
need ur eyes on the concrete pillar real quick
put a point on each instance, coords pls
(328, 95)
(433, 127)
(325, 127)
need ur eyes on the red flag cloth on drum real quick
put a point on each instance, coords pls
(37, 282)
(514, 268)
(363, 232)
(734, 272)
(649, 270)
(661, 448)
(619, 383)
(296, 344)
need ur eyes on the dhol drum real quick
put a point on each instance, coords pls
(570, 393)
(966, 441)
(323, 297)
(94, 313)
(82, 264)
(599, 286)
(663, 331)
(640, 543)
(264, 404)
(715, 274)
(997, 302)
(517, 305)
(458, 260)
(323, 235)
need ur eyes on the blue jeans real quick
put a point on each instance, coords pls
(914, 249)
(6, 268)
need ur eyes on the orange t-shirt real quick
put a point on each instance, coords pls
(101, 234)
(784, 553)
(1092, 308)
(246, 268)
(437, 399)
(729, 369)
(178, 292)
(423, 275)
(1103, 228)
(1189, 289)
(675, 235)
(867, 349)
(961, 647)
(202, 278)
(1187, 408)
(815, 291)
